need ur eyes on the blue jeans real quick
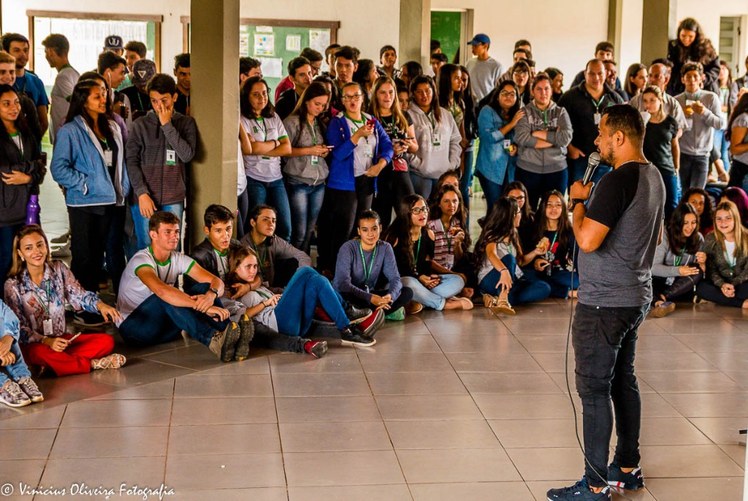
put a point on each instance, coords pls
(722, 143)
(6, 249)
(604, 342)
(18, 369)
(693, 171)
(539, 184)
(578, 167)
(295, 310)
(422, 185)
(527, 289)
(140, 223)
(155, 321)
(466, 181)
(274, 194)
(437, 297)
(491, 190)
(560, 280)
(305, 202)
(672, 192)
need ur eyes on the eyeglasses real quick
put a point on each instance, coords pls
(353, 97)
(419, 210)
(508, 93)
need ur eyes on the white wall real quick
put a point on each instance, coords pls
(563, 34)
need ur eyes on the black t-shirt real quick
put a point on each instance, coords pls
(183, 102)
(658, 144)
(286, 103)
(422, 253)
(140, 103)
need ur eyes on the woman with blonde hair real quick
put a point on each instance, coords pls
(726, 249)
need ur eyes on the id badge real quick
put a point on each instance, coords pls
(108, 158)
(436, 141)
(507, 144)
(315, 160)
(171, 157)
(368, 151)
(47, 327)
(597, 116)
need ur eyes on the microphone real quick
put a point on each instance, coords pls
(592, 162)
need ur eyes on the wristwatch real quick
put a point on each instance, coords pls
(575, 201)
(214, 291)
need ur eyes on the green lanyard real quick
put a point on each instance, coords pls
(367, 271)
(679, 258)
(415, 257)
(262, 127)
(356, 123)
(313, 132)
(598, 103)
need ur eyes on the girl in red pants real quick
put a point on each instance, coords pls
(37, 292)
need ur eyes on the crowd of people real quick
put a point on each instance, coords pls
(372, 163)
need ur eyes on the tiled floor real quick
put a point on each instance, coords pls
(461, 405)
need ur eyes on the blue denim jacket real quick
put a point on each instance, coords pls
(78, 166)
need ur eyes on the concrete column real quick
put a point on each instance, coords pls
(415, 31)
(658, 26)
(214, 104)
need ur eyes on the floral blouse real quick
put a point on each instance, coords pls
(34, 303)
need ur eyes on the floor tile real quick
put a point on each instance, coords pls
(671, 431)
(456, 465)
(427, 407)
(504, 406)
(110, 413)
(21, 471)
(688, 461)
(406, 344)
(397, 492)
(492, 362)
(405, 362)
(548, 463)
(326, 409)
(416, 383)
(196, 357)
(320, 385)
(483, 343)
(493, 382)
(342, 468)
(441, 435)
(695, 489)
(676, 361)
(337, 361)
(225, 410)
(716, 342)
(223, 386)
(106, 472)
(224, 439)
(319, 437)
(157, 391)
(230, 471)
(479, 491)
(733, 404)
(257, 494)
(26, 444)
(522, 433)
(110, 442)
(688, 382)
(44, 419)
(721, 430)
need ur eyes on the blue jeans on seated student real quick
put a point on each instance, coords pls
(437, 297)
(560, 280)
(527, 289)
(140, 223)
(18, 369)
(155, 321)
(273, 194)
(305, 202)
(295, 310)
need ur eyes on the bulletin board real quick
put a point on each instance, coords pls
(446, 27)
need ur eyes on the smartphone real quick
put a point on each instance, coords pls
(371, 122)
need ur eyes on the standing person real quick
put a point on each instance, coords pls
(56, 48)
(438, 137)
(604, 51)
(161, 144)
(28, 108)
(89, 163)
(471, 134)
(140, 103)
(726, 279)
(269, 142)
(703, 112)
(346, 64)
(585, 104)
(611, 78)
(360, 151)
(617, 229)
(661, 145)
(721, 152)
(394, 181)
(484, 70)
(366, 271)
(300, 74)
(38, 292)
(692, 46)
(520, 74)
(737, 129)
(366, 74)
(497, 153)
(542, 136)
(306, 169)
(659, 76)
(184, 82)
(134, 52)
(636, 80)
(408, 72)
(557, 82)
(388, 61)
(26, 81)
(21, 171)
(413, 244)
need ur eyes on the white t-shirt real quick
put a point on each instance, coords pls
(261, 167)
(60, 103)
(483, 76)
(132, 290)
(363, 154)
(266, 316)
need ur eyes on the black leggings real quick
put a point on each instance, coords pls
(711, 292)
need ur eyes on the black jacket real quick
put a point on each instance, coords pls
(205, 256)
(14, 198)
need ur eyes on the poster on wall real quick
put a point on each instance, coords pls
(272, 67)
(244, 44)
(264, 44)
(319, 40)
(293, 43)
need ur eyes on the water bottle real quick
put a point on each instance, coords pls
(32, 210)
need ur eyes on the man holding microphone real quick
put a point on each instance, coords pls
(617, 230)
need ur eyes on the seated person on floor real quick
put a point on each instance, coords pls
(37, 291)
(366, 271)
(154, 311)
(679, 263)
(499, 255)
(17, 389)
(278, 258)
(292, 312)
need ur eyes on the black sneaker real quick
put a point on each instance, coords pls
(578, 492)
(631, 481)
(224, 343)
(86, 319)
(356, 315)
(352, 337)
(246, 333)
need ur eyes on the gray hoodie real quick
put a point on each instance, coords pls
(555, 120)
(698, 136)
(439, 147)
